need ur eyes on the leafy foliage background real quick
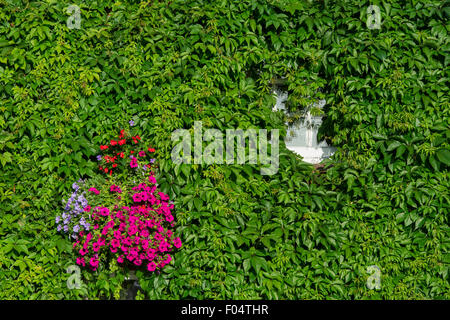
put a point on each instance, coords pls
(300, 234)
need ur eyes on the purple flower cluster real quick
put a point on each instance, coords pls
(71, 220)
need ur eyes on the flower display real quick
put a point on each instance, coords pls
(122, 217)
(138, 234)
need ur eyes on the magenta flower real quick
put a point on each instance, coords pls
(94, 263)
(177, 242)
(94, 190)
(132, 230)
(110, 224)
(163, 246)
(115, 188)
(133, 163)
(144, 196)
(151, 266)
(137, 197)
(115, 243)
(95, 246)
(163, 196)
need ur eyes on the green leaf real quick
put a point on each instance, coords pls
(444, 156)
(393, 145)
(258, 263)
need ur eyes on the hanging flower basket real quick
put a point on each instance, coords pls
(120, 214)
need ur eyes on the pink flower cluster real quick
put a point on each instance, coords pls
(139, 234)
(115, 188)
(94, 190)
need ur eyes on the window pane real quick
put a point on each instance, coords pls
(301, 136)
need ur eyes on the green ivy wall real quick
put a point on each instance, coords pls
(303, 233)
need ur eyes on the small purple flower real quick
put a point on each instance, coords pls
(152, 160)
(76, 228)
(66, 228)
(131, 122)
(57, 219)
(59, 227)
(72, 196)
(75, 186)
(99, 157)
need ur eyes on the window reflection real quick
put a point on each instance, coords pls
(301, 135)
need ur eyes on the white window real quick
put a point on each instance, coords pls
(301, 136)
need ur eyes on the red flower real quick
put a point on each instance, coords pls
(121, 134)
(103, 147)
(121, 142)
(113, 142)
(114, 165)
(106, 170)
(121, 155)
(151, 149)
(135, 139)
